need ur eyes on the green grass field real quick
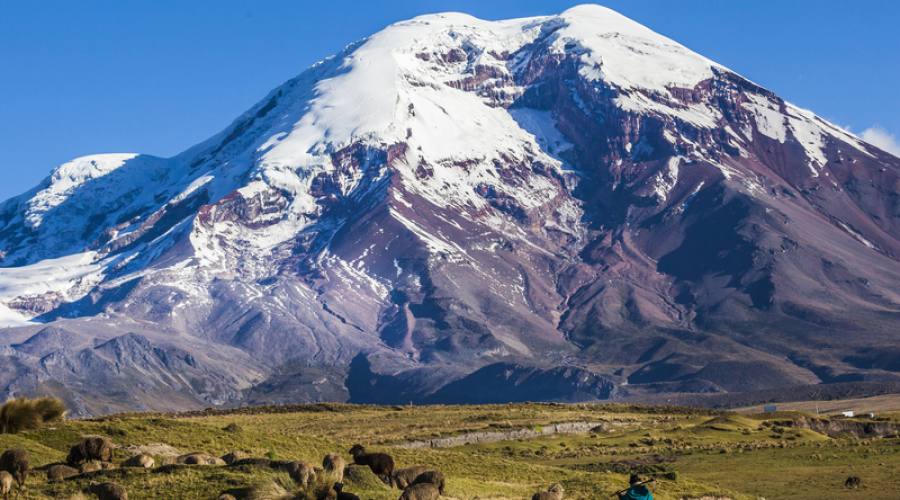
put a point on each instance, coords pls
(694, 454)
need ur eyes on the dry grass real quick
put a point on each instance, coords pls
(692, 453)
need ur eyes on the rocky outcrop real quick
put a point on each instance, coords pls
(508, 435)
(838, 427)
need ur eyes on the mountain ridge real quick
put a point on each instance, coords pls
(452, 194)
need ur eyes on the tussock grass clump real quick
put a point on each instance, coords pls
(270, 489)
(22, 414)
(281, 487)
(361, 477)
(232, 427)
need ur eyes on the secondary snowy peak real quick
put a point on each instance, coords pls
(69, 176)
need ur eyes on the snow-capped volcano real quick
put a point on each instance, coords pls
(573, 204)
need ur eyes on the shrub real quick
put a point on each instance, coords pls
(232, 427)
(22, 414)
(281, 486)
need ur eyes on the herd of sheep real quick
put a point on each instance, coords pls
(95, 453)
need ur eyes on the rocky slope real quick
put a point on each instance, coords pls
(573, 206)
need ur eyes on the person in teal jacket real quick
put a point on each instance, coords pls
(637, 491)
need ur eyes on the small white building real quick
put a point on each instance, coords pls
(848, 413)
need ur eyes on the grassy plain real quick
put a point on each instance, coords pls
(694, 453)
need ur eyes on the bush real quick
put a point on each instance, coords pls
(232, 427)
(22, 414)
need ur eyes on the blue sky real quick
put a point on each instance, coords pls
(159, 76)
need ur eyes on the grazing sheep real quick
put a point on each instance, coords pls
(301, 472)
(91, 448)
(382, 464)
(421, 491)
(335, 464)
(108, 491)
(431, 476)
(192, 459)
(142, 461)
(852, 482)
(59, 472)
(554, 492)
(6, 482)
(404, 477)
(343, 495)
(16, 462)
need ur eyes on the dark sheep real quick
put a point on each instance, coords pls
(108, 491)
(852, 482)
(431, 476)
(382, 464)
(421, 491)
(90, 449)
(16, 462)
(195, 459)
(334, 464)
(343, 495)
(199, 459)
(59, 472)
(554, 492)
(404, 477)
(234, 456)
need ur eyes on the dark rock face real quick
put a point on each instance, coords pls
(503, 382)
(526, 218)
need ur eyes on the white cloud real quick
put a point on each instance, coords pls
(878, 136)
